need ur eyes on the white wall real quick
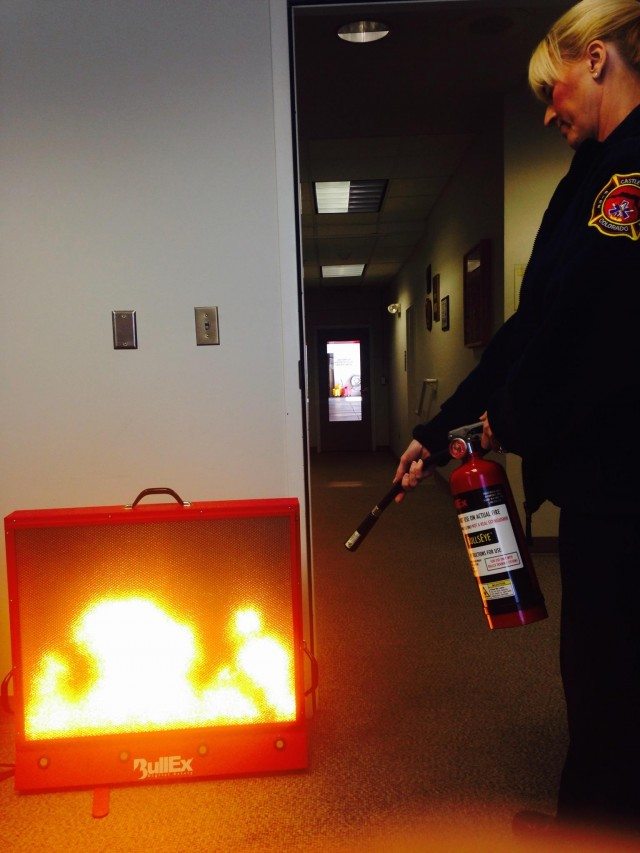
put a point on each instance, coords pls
(146, 164)
(535, 158)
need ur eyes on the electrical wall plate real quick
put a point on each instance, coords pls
(207, 331)
(125, 332)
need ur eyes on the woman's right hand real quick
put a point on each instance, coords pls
(410, 469)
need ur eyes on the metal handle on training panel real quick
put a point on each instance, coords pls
(160, 490)
(314, 669)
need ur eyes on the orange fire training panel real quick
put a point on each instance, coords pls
(156, 642)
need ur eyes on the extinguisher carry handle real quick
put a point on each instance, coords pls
(355, 540)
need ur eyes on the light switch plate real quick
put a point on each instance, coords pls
(207, 331)
(125, 333)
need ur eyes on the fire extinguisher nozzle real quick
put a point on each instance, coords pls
(353, 541)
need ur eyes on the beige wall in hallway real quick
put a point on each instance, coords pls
(469, 210)
(507, 177)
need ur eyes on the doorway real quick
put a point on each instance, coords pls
(344, 398)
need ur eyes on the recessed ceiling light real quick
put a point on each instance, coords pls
(343, 271)
(360, 32)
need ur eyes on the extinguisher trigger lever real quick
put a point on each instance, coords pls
(467, 431)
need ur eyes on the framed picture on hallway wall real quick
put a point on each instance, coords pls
(428, 313)
(428, 279)
(436, 297)
(444, 313)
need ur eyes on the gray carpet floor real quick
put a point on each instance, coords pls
(430, 732)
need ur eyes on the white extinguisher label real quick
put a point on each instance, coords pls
(491, 542)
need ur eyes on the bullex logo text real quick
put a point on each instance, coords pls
(166, 765)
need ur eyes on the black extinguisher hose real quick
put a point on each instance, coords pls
(363, 529)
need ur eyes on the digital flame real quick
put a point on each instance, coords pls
(142, 660)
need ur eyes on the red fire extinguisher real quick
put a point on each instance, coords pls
(493, 534)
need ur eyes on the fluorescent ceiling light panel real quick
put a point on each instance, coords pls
(344, 271)
(349, 196)
(332, 196)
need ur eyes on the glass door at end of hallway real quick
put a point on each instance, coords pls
(343, 393)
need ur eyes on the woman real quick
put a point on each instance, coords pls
(559, 385)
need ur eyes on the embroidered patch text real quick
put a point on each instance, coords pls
(616, 210)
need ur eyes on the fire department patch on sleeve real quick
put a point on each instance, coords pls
(616, 210)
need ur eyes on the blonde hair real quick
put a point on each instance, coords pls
(615, 21)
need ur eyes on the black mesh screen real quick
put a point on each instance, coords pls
(190, 577)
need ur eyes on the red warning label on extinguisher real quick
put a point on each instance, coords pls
(488, 533)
